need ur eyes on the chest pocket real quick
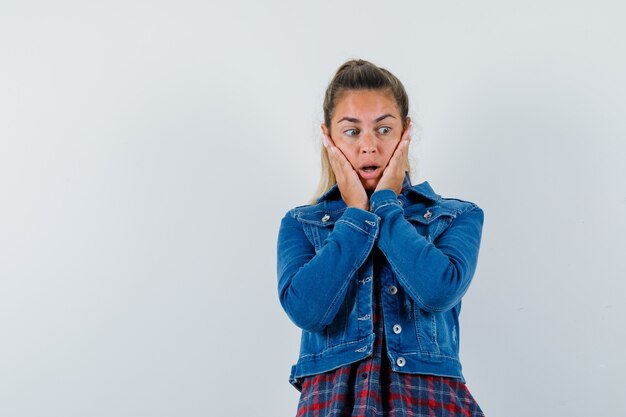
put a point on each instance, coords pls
(430, 222)
(318, 225)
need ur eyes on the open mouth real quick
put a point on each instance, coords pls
(370, 171)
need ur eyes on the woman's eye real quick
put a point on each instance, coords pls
(351, 132)
(384, 130)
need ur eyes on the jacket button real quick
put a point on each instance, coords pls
(400, 202)
(326, 218)
(400, 361)
(392, 289)
(428, 214)
(397, 328)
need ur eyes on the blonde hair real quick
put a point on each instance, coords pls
(356, 74)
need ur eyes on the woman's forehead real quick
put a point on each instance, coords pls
(365, 105)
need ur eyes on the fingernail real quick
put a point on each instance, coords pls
(332, 149)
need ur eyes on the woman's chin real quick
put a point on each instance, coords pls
(370, 185)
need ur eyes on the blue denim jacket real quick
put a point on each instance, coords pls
(325, 272)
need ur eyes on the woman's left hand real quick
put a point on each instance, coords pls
(394, 172)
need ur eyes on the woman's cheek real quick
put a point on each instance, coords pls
(346, 150)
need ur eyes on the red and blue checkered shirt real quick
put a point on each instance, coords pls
(369, 387)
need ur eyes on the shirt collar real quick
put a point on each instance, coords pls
(424, 190)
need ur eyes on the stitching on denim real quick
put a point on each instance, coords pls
(347, 282)
(365, 280)
(442, 225)
(354, 226)
(311, 236)
(335, 300)
(431, 354)
(385, 203)
(365, 317)
(302, 212)
(339, 345)
(366, 250)
(433, 326)
(433, 335)
(363, 349)
(472, 206)
(416, 217)
(418, 328)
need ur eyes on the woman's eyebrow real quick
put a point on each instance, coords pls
(354, 120)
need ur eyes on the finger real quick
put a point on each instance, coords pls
(330, 147)
(341, 161)
(338, 161)
(404, 149)
(398, 149)
(332, 158)
(338, 155)
(328, 142)
(405, 156)
(407, 132)
(405, 140)
(400, 154)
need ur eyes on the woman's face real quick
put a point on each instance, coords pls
(367, 127)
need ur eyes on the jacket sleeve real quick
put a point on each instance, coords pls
(435, 275)
(312, 286)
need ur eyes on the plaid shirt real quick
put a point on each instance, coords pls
(369, 387)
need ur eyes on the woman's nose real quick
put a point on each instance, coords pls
(368, 143)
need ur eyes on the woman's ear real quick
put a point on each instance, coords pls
(325, 129)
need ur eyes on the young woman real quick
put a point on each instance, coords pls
(374, 268)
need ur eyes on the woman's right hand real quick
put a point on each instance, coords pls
(348, 180)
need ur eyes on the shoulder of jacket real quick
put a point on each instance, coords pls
(322, 213)
(458, 204)
(305, 209)
(453, 204)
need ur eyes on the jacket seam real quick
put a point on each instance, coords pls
(332, 347)
(385, 203)
(347, 281)
(354, 226)
(428, 354)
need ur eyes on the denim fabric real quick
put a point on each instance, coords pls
(325, 276)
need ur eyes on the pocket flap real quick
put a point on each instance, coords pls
(429, 214)
(322, 218)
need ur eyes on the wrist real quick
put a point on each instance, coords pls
(396, 190)
(382, 198)
(365, 207)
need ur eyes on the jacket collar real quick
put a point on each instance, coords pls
(421, 190)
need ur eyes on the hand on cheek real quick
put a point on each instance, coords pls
(394, 172)
(348, 180)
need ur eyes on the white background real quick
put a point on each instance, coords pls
(149, 150)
